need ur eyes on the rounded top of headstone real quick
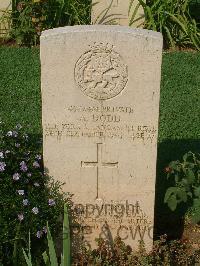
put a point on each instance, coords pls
(102, 28)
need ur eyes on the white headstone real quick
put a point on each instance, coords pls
(100, 108)
(117, 12)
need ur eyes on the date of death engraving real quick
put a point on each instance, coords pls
(143, 134)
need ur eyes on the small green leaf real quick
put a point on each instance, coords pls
(190, 194)
(52, 252)
(185, 157)
(176, 178)
(190, 176)
(175, 165)
(197, 191)
(28, 259)
(66, 256)
(45, 257)
(196, 203)
(169, 192)
(196, 215)
(172, 202)
(181, 193)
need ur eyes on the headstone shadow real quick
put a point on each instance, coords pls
(166, 221)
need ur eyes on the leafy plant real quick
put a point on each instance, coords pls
(185, 177)
(28, 257)
(31, 17)
(50, 258)
(66, 255)
(164, 253)
(172, 18)
(28, 196)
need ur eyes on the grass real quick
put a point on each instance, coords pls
(179, 128)
(180, 92)
(20, 88)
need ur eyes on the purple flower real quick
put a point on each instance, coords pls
(39, 234)
(9, 134)
(20, 217)
(2, 166)
(38, 157)
(25, 202)
(15, 134)
(20, 192)
(25, 136)
(36, 184)
(18, 126)
(1, 155)
(45, 173)
(17, 145)
(23, 166)
(29, 174)
(35, 210)
(45, 229)
(36, 164)
(52, 202)
(16, 176)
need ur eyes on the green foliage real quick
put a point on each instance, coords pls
(28, 196)
(177, 20)
(50, 257)
(66, 256)
(164, 253)
(185, 176)
(52, 252)
(172, 18)
(28, 257)
(30, 17)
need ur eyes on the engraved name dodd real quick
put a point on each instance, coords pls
(100, 72)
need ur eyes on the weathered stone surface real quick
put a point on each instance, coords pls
(100, 108)
(116, 12)
(5, 8)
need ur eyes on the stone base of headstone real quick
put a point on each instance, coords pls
(117, 12)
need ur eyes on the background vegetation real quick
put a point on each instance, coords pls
(30, 17)
(174, 19)
(29, 198)
(177, 20)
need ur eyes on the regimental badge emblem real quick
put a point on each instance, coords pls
(100, 73)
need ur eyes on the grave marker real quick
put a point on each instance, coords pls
(118, 12)
(100, 108)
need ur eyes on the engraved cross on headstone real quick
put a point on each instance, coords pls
(99, 164)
